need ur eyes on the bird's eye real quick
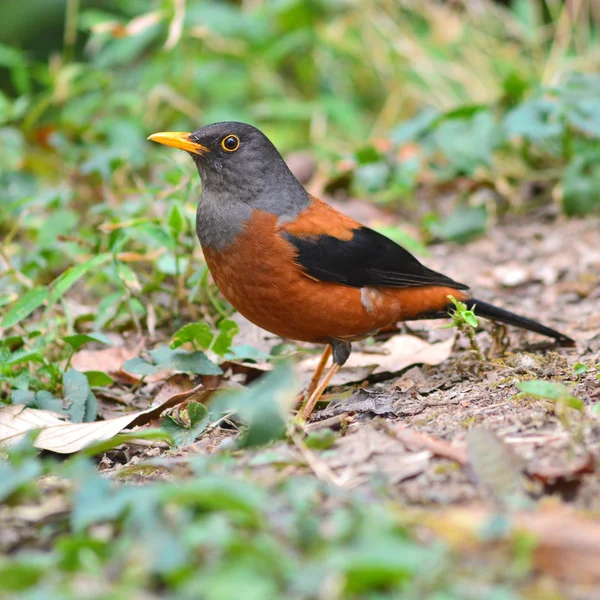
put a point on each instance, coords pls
(230, 143)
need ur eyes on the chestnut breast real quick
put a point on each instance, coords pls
(258, 275)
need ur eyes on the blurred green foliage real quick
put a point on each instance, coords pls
(217, 535)
(97, 235)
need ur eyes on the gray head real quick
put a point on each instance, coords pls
(241, 171)
(238, 163)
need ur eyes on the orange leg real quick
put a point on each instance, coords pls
(312, 386)
(316, 376)
(316, 394)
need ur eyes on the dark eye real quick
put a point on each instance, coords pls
(230, 143)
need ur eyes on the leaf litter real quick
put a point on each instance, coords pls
(437, 429)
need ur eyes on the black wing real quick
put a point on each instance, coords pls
(368, 259)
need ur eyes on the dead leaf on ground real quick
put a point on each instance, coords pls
(414, 440)
(361, 454)
(581, 465)
(396, 354)
(66, 438)
(109, 360)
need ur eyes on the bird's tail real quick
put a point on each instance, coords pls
(489, 311)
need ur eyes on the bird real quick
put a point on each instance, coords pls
(296, 267)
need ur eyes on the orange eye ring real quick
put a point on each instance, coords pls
(230, 143)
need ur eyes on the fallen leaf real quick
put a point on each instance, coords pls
(581, 465)
(65, 438)
(359, 455)
(108, 360)
(414, 440)
(16, 420)
(396, 354)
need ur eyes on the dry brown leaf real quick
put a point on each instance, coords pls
(66, 438)
(359, 455)
(582, 465)
(108, 360)
(16, 420)
(414, 440)
(398, 353)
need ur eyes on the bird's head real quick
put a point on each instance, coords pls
(238, 163)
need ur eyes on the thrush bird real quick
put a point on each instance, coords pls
(297, 267)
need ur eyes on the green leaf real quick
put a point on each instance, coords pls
(198, 333)
(91, 408)
(24, 307)
(63, 282)
(126, 274)
(580, 368)
(322, 439)
(176, 220)
(237, 498)
(98, 379)
(76, 391)
(78, 340)
(13, 478)
(536, 120)
(581, 182)
(21, 356)
(462, 225)
(468, 141)
(228, 329)
(550, 390)
(263, 407)
(246, 352)
(166, 359)
(43, 400)
(184, 435)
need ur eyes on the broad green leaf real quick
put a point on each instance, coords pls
(462, 225)
(581, 182)
(228, 329)
(176, 220)
(24, 307)
(322, 439)
(63, 282)
(76, 390)
(128, 277)
(198, 333)
(550, 390)
(98, 379)
(43, 400)
(245, 352)
(211, 493)
(80, 339)
(13, 478)
(91, 408)
(21, 356)
(166, 359)
(184, 435)
(263, 407)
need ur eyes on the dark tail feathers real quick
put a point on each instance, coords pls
(489, 311)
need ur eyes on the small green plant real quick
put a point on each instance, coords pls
(564, 404)
(466, 322)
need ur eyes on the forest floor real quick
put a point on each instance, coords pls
(416, 423)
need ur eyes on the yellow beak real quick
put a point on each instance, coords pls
(178, 139)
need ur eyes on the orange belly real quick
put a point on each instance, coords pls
(258, 276)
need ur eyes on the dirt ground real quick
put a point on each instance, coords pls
(390, 414)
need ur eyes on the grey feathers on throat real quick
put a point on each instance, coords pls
(230, 195)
